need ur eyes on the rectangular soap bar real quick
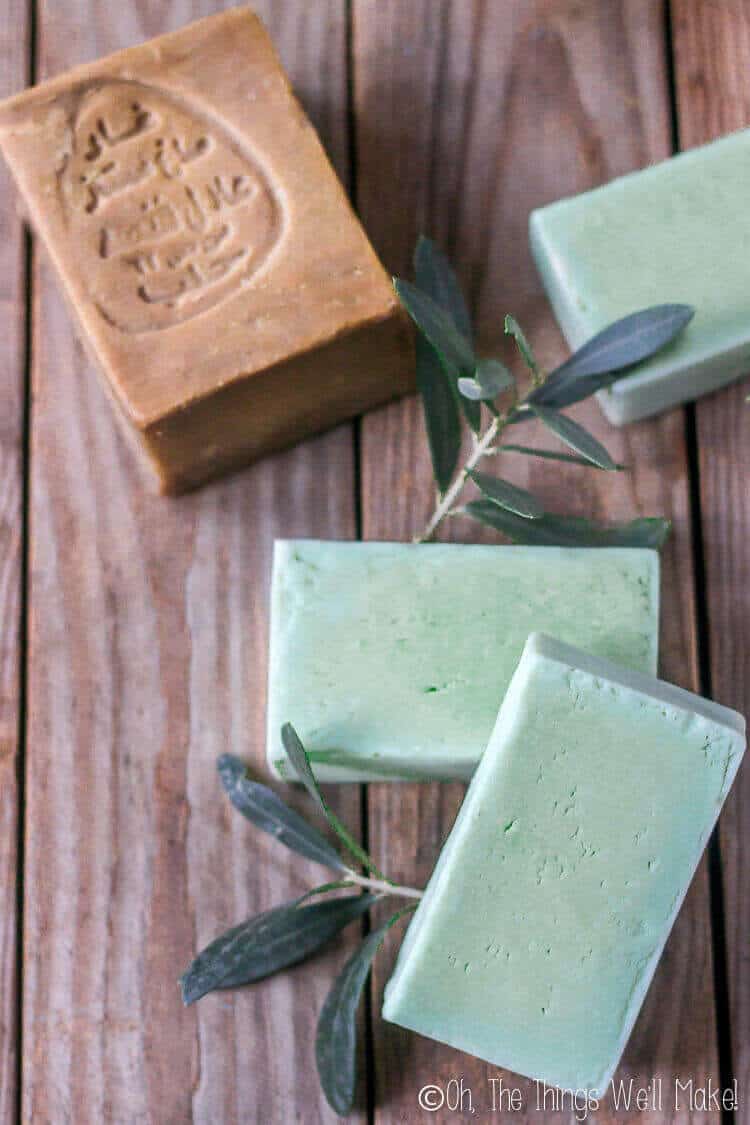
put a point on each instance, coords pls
(391, 659)
(678, 231)
(208, 250)
(550, 904)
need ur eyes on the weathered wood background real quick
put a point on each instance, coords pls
(133, 629)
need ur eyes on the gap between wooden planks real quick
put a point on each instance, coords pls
(712, 57)
(467, 116)
(147, 660)
(14, 64)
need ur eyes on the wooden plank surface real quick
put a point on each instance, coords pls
(467, 116)
(14, 64)
(712, 61)
(149, 617)
(148, 659)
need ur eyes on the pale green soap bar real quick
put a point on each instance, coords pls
(391, 659)
(552, 899)
(677, 232)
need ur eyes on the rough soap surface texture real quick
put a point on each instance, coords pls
(207, 247)
(555, 892)
(391, 660)
(676, 232)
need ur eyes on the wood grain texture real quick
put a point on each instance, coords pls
(712, 56)
(469, 114)
(14, 63)
(148, 649)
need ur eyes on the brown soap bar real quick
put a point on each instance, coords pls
(207, 247)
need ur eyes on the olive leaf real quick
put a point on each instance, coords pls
(436, 386)
(513, 328)
(571, 390)
(441, 414)
(437, 325)
(490, 378)
(301, 764)
(270, 941)
(269, 813)
(336, 1039)
(612, 353)
(471, 410)
(627, 341)
(575, 436)
(569, 531)
(553, 455)
(454, 349)
(436, 277)
(508, 496)
(472, 390)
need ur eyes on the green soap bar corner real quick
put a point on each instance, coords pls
(676, 232)
(544, 919)
(391, 659)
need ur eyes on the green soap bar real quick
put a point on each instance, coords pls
(550, 904)
(677, 232)
(391, 659)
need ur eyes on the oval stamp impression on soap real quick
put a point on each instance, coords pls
(171, 215)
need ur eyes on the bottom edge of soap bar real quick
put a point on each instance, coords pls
(596, 1091)
(623, 404)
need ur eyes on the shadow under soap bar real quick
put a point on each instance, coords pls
(677, 232)
(391, 659)
(216, 269)
(545, 917)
